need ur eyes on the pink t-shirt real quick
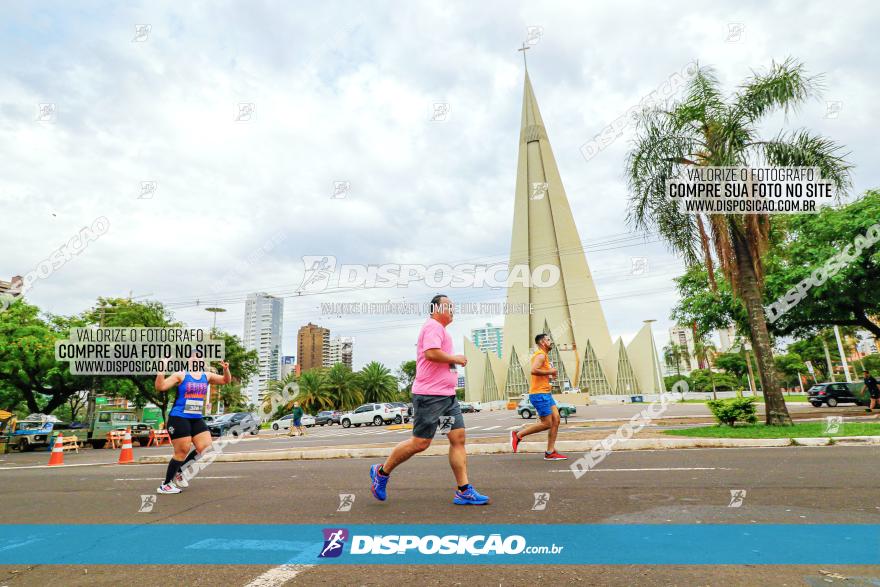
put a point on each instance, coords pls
(434, 378)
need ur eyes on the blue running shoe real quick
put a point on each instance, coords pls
(378, 483)
(469, 497)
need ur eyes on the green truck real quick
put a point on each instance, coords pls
(38, 431)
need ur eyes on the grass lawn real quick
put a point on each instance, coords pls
(801, 430)
(760, 399)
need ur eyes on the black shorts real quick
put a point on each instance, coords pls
(875, 393)
(429, 409)
(182, 427)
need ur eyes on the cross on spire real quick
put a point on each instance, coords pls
(524, 48)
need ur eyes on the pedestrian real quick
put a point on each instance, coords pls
(873, 390)
(433, 399)
(189, 434)
(297, 421)
(541, 396)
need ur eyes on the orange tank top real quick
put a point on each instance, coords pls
(540, 383)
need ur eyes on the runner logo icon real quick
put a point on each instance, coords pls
(334, 541)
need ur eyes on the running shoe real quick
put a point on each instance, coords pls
(554, 456)
(378, 483)
(167, 488)
(514, 440)
(470, 496)
(180, 481)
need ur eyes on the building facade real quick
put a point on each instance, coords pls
(683, 336)
(263, 325)
(339, 350)
(488, 339)
(312, 346)
(288, 365)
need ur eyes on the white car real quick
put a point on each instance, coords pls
(372, 414)
(285, 422)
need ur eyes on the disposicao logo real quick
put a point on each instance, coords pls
(334, 540)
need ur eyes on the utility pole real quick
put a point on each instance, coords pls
(828, 358)
(842, 355)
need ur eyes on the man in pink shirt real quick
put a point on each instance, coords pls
(434, 404)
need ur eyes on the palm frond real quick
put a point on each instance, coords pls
(785, 85)
(803, 149)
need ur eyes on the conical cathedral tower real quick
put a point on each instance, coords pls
(546, 245)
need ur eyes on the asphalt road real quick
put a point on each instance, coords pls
(479, 425)
(785, 485)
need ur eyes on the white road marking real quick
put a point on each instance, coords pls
(512, 428)
(650, 469)
(491, 428)
(162, 478)
(278, 575)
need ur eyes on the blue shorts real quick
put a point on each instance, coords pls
(543, 402)
(296, 422)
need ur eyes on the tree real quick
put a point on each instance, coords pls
(342, 385)
(709, 129)
(313, 394)
(733, 363)
(377, 383)
(406, 374)
(791, 366)
(704, 351)
(848, 298)
(673, 355)
(30, 377)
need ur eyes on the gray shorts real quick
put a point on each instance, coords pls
(427, 411)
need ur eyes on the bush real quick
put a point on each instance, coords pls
(730, 411)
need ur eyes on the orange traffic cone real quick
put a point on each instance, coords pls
(57, 456)
(127, 454)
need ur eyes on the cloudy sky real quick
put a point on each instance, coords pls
(93, 108)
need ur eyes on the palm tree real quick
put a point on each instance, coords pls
(313, 395)
(377, 383)
(673, 354)
(709, 129)
(704, 351)
(342, 386)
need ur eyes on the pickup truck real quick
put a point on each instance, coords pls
(39, 431)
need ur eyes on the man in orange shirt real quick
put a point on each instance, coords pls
(541, 397)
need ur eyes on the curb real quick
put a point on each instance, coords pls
(573, 446)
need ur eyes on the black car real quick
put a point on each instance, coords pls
(235, 423)
(327, 417)
(832, 394)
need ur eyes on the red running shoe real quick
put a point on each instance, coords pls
(554, 456)
(514, 440)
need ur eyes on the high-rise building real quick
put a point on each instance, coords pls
(339, 350)
(312, 346)
(263, 325)
(288, 365)
(12, 287)
(566, 303)
(866, 342)
(683, 336)
(488, 338)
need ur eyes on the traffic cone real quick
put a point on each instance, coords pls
(57, 456)
(127, 454)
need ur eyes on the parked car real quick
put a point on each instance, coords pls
(210, 418)
(283, 423)
(526, 410)
(372, 414)
(832, 394)
(469, 407)
(327, 417)
(402, 409)
(307, 420)
(235, 423)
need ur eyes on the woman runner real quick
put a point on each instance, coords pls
(188, 431)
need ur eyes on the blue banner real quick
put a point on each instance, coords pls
(509, 544)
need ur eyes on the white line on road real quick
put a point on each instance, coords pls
(278, 575)
(161, 478)
(650, 469)
(491, 428)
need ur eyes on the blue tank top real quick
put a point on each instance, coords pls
(192, 394)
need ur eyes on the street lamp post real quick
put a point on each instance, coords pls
(215, 311)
